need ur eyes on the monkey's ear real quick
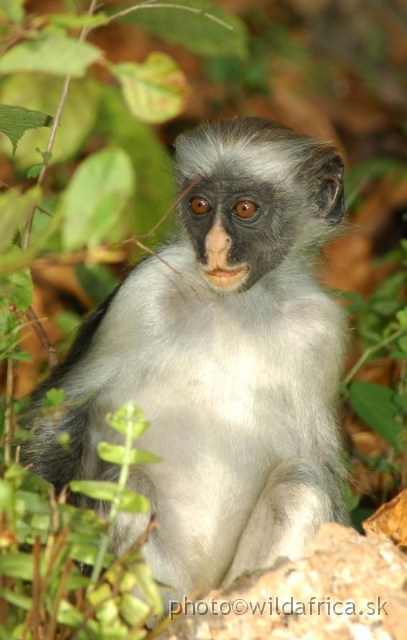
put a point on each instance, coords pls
(330, 198)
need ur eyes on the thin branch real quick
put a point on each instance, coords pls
(47, 156)
(155, 5)
(171, 209)
(8, 417)
(100, 255)
(42, 336)
(167, 264)
(366, 355)
(57, 119)
(31, 315)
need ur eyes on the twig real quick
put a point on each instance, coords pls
(49, 348)
(46, 156)
(156, 5)
(57, 119)
(8, 418)
(61, 590)
(31, 315)
(33, 616)
(101, 255)
(172, 208)
(145, 535)
(167, 264)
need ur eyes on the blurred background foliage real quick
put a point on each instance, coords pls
(332, 69)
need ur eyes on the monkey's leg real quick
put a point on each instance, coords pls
(295, 501)
(161, 550)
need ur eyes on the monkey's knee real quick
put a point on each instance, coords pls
(288, 513)
(300, 494)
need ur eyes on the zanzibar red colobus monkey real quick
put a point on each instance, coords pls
(234, 354)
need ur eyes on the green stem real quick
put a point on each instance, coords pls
(156, 5)
(366, 355)
(114, 509)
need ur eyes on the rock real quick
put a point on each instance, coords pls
(348, 587)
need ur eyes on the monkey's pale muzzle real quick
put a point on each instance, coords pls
(226, 278)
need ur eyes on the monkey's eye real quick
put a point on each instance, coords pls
(200, 206)
(245, 209)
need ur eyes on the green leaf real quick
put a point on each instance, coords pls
(402, 343)
(68, 322)
(15, 121)
(390, 287)
(356, 301)
(15, 472)
(17, 599)
(385, 307)
(97, 280)
(132, 502)
(6, 496)
(107, 613)
(99, 594)
(109, 491)
(85, 521)
(34, 171)
(77, 582)
(155, 90)
(96, 196)
(402, 317)
(29, 502)
(14, 209)
(12, 10)
(145, 580)
(53, 398)
(17, 565)
(197, 31)
(75, 21)
(86, 553)
(21, 356)
(69, 615)
(133, 610)
(42, 92)
(155, 187)
(18, 289)
(375, 405)
(51, 53)
(116, 454)
(128, 416)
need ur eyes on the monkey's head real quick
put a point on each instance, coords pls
(255, 193)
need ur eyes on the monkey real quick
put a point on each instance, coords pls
(234, 352)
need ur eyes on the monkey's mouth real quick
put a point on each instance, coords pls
(226, 278)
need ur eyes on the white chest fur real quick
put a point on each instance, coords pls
(212, 373)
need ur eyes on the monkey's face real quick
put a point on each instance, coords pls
(254, 193)
(238, 230)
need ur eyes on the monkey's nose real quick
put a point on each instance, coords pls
(217, 246)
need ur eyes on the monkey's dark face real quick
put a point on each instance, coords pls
(238, 230)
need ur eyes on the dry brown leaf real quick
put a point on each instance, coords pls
(390, 521)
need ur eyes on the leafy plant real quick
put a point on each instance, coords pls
(380, 336)
(43, 540)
